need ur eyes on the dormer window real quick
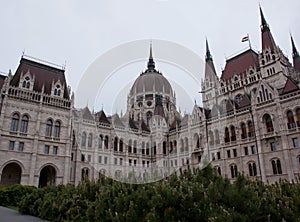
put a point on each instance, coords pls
(57, 90)
(26, 82)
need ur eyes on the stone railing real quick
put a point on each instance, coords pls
(37, 97)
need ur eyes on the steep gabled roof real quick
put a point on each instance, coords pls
(2, 79)
(86, 114)
(44, 76)
(117, 121)
(289, 86)
(101, 117)
(240, 63)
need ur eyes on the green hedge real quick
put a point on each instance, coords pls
(193, 196)
(12, 195)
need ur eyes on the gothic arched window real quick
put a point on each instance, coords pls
(233, 170)
(83, 139)
(15, 122)
(24, 124)
(276, 166)
(244, 131)
(49, 126)
(90, 140)
(226, 135)
(232, 132)
(290, 119)
(57, 129)
(252, 169)
(269, 123)
(250, 129)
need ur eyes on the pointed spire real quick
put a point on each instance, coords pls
(264, 25)
(267, 38)
(296, 56)
(151, 63)
(295, 52)
(210, 72)
(208, 56)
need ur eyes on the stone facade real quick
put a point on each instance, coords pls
(35, 125)
(249, 123)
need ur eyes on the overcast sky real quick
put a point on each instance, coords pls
(78, 32)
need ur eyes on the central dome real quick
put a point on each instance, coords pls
(151, 95)
(151, 81)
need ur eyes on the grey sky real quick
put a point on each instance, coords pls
(80, 31)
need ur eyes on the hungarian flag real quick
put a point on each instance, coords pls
(245, 39)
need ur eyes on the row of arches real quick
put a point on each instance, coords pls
(247, 129)
(252, 168)
(12, 174)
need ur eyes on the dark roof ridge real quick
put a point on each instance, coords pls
(42, 65)
(240, 54)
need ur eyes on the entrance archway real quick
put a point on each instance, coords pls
(11, 174)
(47, 176)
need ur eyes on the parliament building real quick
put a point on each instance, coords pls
(249, 123)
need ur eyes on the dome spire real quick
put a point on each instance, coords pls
(151, 63)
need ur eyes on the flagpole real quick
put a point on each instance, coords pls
(249, 41)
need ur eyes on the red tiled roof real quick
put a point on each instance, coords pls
(2, 79)
(239, 64)
(210, 71)
(296, 63)
(268, 41)
(289, 86)
(44, 75)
